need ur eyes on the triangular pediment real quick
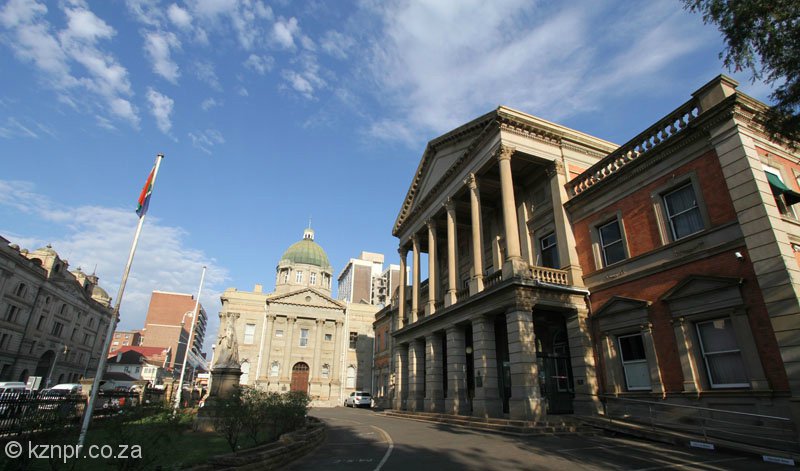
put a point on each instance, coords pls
(306, 297)
(620, 304)
(700, 285)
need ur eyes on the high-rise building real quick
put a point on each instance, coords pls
(124, 338)
(168, 323)
(364, 280)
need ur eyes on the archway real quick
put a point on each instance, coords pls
(44, 365)
(299, 377)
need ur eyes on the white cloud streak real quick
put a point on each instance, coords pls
(206, 140)
(159, 46)
(161, 109)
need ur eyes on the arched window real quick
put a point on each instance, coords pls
(63, 310)
(285, 275)
(21, 290)
(245, 373)
(274, 369)
(326, 370)
(351, 377)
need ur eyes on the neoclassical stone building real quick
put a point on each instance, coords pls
(298, 337)
(563, 268)
(52, 320)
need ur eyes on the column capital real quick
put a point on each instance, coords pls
(339, 323)
(431, 224)
(319, 321)
(414, 238)
(403, 252)
(271, 317)
(504, 152)
(291, 319)
(471, 181)
(449, 204)
(555, 168)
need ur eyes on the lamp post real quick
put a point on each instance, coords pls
(190, 340)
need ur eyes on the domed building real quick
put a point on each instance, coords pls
(299, 338)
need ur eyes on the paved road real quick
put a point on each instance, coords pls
(360, 439)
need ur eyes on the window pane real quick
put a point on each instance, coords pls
(637, 375)
(684, 215)
(249, 332)
(614, 253)
(717, 336)
(632, 348)
(549, 251)
(726, 368)
(610, 232)
(687, 223)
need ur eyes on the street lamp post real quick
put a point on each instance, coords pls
(189, 341)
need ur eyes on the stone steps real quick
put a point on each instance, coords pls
(561, 426)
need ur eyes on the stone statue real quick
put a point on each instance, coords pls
(226, 355)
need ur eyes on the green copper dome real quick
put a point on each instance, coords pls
(307, 251)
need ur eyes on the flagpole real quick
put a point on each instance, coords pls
(87, 414)
(190, 341)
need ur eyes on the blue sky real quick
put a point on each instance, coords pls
(273, 112)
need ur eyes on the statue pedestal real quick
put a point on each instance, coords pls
(224, 382)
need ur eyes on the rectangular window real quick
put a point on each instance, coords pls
(303, 337)
(549, 251)
(778, 188)
(353, 339)
(611, 243)
(278, 333)
(312, 278)
(328, 337)
(298, 276)
(74, 334)
(5, 339)
(11, 314)
(721, 354)
(286, 276)
(683, 212)
(634, 362)
(58, 327)
(40, 323)
(249, 333)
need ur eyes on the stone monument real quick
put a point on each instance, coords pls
(225, 373)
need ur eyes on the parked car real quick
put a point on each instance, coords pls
(9, 386)
(358, 399)
(12, 394)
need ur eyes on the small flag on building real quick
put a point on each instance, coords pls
(144, 197)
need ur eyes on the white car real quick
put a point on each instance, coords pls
(358, 399)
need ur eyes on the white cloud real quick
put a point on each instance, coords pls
(283, 31)
(13, 128)
(101, 236)
(161, 109)
(308, 79)
(179, 17)
(159, 46)
(209, 103)
(337, 44)
(248, 18)
(147, 12)
(206, 140)
(204, 71)
(259, 64)
(243, 91)
(52, 51)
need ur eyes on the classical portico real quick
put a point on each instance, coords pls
(495, 328)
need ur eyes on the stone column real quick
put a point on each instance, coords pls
(456, 401)
(400, 353)
(526, 401)
(433, 275)
(316, 364)
(476, 285)
(267, 347)
(434, 394)
(652, 358)
(337, 354)
(416, 375)
(487, 401)
(287, 350)
(613, 372)
(415, 280)
(686, 347)
(565, 239)
(452, 264)
(510, 225)
(401, 292)
(584, 373)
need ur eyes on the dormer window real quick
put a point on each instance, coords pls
(312, 279)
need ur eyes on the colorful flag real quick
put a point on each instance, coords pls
(144, 197)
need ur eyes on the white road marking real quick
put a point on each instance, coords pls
(388, 451)
(692, 464)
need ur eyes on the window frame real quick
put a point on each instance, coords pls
(704, 355)
(252, 334)
(553, 246)
(303, 339)
(660, 206)
(598, 249)
(624, 362)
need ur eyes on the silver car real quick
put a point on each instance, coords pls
(358, 399)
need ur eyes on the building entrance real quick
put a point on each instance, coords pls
(553, 358)
(299, 377)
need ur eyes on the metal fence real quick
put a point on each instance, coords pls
(778, 433)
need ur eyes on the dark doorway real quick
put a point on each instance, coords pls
(503, 362)
(299, 377)
(470, 357)
(45, 363)
(552, 355)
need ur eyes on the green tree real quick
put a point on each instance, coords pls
(763, 36)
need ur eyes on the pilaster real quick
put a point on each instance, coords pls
(416, 375)
(487, 402)
(457, 400)
(434, 392)
(525, 402)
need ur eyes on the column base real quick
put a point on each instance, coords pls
(487, 408)
(416, 404)
(456, 405)
(450, 298)
(476, 285)
(434, 404)
(526, 408)
(515, 267)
